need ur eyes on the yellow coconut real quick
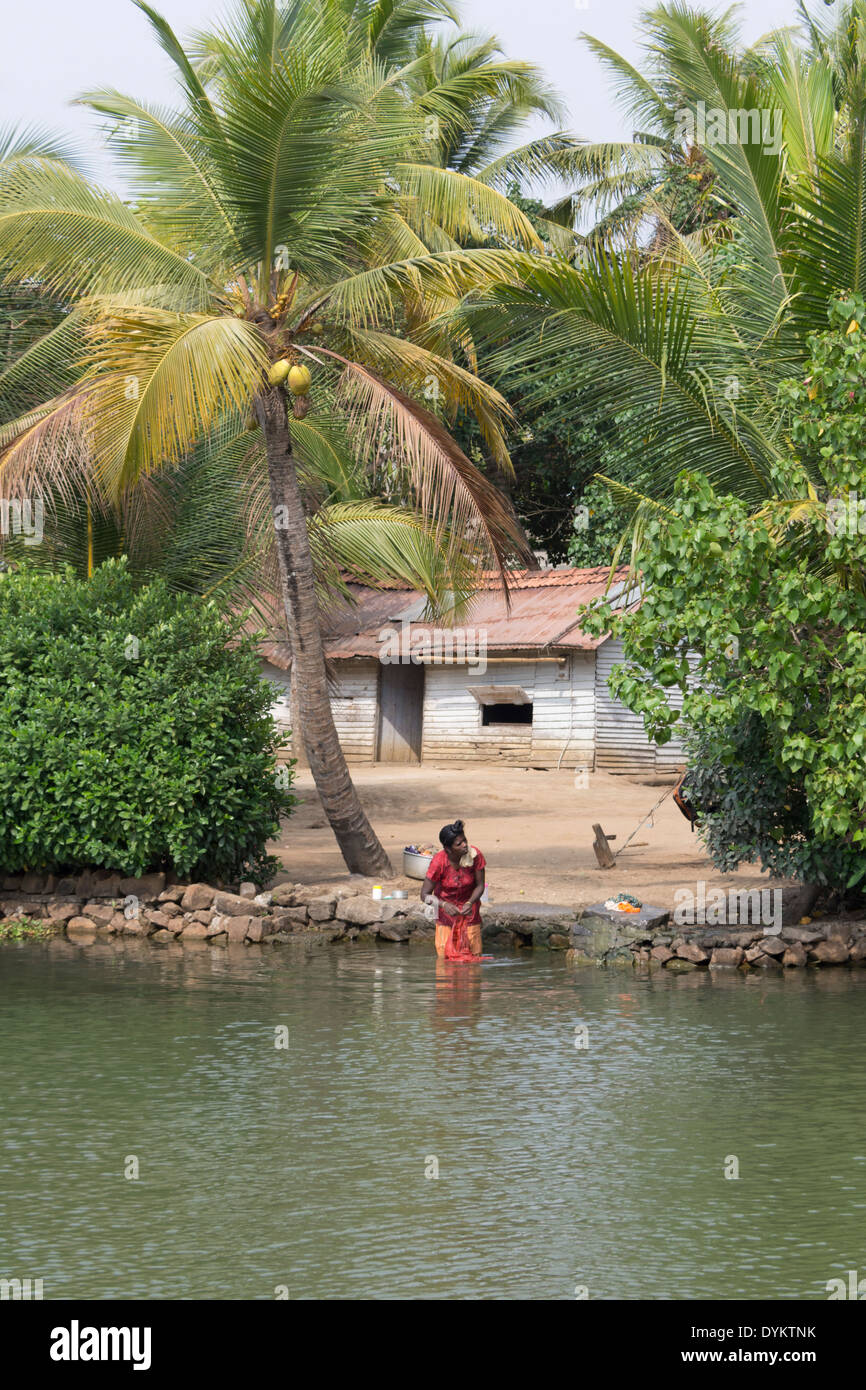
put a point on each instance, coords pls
(279, 371)
(299, 381)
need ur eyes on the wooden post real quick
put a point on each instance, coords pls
(602, 849)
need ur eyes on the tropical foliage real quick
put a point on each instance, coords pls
(694, 332)
(339, 191)
(744, 418)
(633, 191)
(132, 735)
(280, 215)
(773, 604)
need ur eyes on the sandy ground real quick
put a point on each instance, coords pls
(534, 829)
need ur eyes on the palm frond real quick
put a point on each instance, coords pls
(428, 374)
(169, 167)
(634, 93)
(372, 541)
(160, 381)
(368, 297)
(82, 240)
(541, 161)
(465, 207)
(635, 342)
(21, 145)
(47, 452)
(444, 484)
(47, 366)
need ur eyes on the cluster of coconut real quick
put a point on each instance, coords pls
(299, 382)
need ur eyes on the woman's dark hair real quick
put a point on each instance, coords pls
(449, 833)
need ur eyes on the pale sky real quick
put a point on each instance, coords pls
(54, 49)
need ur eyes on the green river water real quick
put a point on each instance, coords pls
(306, 1171)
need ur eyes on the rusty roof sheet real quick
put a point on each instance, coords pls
(543, 616)
(523, 579)
(563, 576)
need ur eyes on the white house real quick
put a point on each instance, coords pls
(526, 687)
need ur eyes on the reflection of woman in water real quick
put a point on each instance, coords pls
(457, 998)
(455, 879)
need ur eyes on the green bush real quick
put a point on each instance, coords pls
(751, 810)
(132, 737)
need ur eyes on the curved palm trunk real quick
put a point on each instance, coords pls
(355, 835)
(299, 752)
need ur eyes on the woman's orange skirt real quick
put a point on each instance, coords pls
(473, 934)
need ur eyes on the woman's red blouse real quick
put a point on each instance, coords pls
(455, 885)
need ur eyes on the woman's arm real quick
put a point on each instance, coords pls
(476, 891)
(428, 894)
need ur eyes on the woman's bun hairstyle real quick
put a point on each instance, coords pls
(449, 833)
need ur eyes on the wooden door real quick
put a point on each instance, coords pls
(401, 705)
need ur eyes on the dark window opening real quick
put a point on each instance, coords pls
(506, 714)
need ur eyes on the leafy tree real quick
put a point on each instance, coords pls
(567, 512)
(773, 603)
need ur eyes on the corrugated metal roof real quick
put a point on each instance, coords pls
(524, 579)
(565, 575)
(545, 620)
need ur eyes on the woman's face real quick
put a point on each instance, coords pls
(459, 847)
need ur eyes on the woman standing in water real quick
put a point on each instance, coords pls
(455, 879)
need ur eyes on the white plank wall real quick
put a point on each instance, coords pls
(562, 718)
(281, 707)
(354, 704)
(576, 722)
(453, 731)
(621, 740)
(356, 709)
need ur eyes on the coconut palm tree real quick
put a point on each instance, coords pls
(695, 340)
(385, 30)
(271, 229)
(629, 190)
(476, 102)
(473, 100)
(480, 101)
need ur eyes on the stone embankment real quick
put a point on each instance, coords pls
(92, 905)
(836, 941)
(105, 904)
